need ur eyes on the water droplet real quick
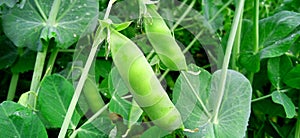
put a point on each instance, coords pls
(76, 17)
(72, 10)
(84, 5)
(87, 13)
(79, 6)
(74, 35)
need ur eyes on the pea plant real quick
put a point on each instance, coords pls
(142, 68)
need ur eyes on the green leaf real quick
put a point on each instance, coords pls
(25, 62)
(121, 26)
(187, 88)
(54, 97)
(100, 128)
(27, 26)
(267, 106)
(103, 68)
(18, 121)
(286, 102)
(278, 67)
(250, 61)
(8, 53)
(273, 42)
(233, 114)
(292, 78)
(120, 106)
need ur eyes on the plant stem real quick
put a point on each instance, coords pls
(269, 95)
(97, 114)
(229, 46)
(40, 9)
(236, 47)
(37, 74)
(54, 11)
(183, 15)
(83, 78)
(51, 61)
(255, 34)
(12, 87)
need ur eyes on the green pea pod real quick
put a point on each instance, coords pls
(92, 95)
(162, 41)
(142, 82)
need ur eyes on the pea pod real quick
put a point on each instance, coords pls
(162, 40)
(92, 95)
(142, 82)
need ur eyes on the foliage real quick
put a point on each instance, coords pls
(142, 68)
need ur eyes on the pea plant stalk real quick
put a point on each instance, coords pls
(99, 37)
(41, 56)
(233, 32)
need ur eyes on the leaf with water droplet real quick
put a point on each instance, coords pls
(26, 27)
(19, 121)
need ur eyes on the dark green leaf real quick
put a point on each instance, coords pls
(20, 122)
(267, 106)
(278, 67)
(25, 62)
(54, 97)
(8, 53)
(27, 26)
(250, 62)
(292, 78)
(286, 102)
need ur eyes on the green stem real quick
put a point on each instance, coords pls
(54, 11)
(51, 61)
(297, 133)
(37, 74)
(12, 87)
(236, 47)
(183, 15)
(97, 114)
(229, 46)
(255, 34)
(40, 9)
(83, 78)
(220, 10)
(269, 95)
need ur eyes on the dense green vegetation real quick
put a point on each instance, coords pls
(142, 68)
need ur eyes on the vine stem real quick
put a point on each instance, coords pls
(256, 34)
(229, 46)
(12, 86)
(37, 74)
(83, 78)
